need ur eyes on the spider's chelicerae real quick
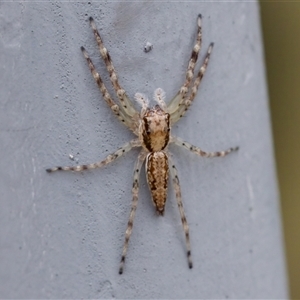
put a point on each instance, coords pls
(152, 126)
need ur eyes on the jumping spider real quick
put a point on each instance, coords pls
(152, 126)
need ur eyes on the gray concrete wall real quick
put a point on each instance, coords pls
(62, 234)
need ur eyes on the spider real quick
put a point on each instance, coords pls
(152, 126)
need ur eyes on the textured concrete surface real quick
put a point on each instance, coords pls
(61, 234)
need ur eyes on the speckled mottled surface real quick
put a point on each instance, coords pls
(61, 234)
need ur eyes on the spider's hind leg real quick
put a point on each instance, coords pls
(135, 191)
(175, 179)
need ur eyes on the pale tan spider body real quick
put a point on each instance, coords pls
(154, 134)
(152, 128)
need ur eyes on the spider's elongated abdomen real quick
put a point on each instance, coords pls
(157, 172)
(155, 129)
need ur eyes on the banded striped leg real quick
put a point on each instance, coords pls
(175, 179)
(114, 107)
(187, 102)
(126, 104)
(110, 158)
(178, 99)
(194, 149)
(135, 191)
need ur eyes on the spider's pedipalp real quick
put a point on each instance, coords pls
(159, 97)
(143, 101)
(175, 180)
(110, 158)
(126, 104)
(135, 191)
(175, 103)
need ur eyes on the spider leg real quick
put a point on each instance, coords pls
(110, 158)
(126, 104)
(135, 191)
(178, 99)
(187, 102)
(124, 118)
(175, 179)
(196, 150)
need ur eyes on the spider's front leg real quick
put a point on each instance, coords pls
(196, 150)
(126, 104)
(135, 191)
(110, 158)
(122, 116)
(186, 103)
(178, 99)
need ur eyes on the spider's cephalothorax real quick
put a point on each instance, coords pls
(152, 128)
(155, 129)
